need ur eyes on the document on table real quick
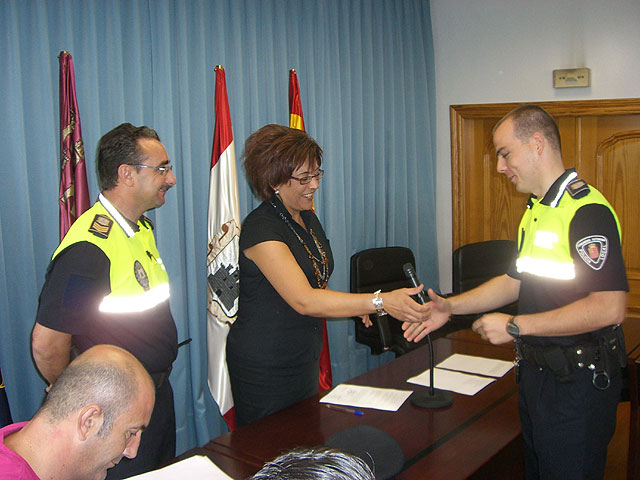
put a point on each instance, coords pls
(480, 365)
(367, 397)
(452, 381)
(197, 467)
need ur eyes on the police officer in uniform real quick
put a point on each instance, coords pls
(570, 281)
(106, 283)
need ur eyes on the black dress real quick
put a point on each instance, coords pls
(273, 351)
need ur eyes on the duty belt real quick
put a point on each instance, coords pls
(160, 378)
(563, 361)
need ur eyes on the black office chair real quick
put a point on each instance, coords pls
(371, 270)
(475, 263)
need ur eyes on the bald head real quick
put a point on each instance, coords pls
(104, 375)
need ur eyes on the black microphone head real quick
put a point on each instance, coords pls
(409, 271)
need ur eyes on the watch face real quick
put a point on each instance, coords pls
(512, 329)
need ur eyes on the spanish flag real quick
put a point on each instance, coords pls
(325, 379)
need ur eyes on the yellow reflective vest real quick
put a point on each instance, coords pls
(544, 232)
(138, 277)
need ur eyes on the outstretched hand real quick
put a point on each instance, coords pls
(401, 306)
(438, 314)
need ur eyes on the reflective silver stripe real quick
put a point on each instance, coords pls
(116, 215)
(546, 268)
(135, 303)
(562, 188)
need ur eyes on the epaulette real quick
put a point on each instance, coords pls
(147, 222)
(578, 188)
(101, 226)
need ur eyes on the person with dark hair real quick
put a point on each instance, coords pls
(106, 282)
(274, 345)
(94, 415)
(570, 282)
(318, 463)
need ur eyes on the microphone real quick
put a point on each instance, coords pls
(410, 273)
(432, 398)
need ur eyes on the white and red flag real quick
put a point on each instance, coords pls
(296, 120)
(74, 191)
(223, 248)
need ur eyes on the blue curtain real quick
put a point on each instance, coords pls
(367, 86)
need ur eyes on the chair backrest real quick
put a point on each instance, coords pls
(381, 268)
(475, 263)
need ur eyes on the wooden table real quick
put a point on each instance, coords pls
(448, 443)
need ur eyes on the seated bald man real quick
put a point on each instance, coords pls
(93, 415)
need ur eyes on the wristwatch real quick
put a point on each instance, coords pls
(512, 328)
(377, 303)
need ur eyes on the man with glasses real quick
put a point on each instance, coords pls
(107, 284)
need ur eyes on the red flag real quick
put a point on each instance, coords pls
(222, 255)
(74, 192)
(296, 120)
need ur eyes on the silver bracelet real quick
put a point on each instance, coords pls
(378, 304)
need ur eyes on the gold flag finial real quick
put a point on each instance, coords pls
(219, 67)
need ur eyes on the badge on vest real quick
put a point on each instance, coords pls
(101, 226)
(141, 275)
(593, 250)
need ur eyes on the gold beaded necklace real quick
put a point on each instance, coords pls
(321, 278)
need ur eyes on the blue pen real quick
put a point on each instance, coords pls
(344, 409)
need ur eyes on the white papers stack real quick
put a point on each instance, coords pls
(489, 367)
(463, 383)
(194, 468)
(367, 397)
(452, 381)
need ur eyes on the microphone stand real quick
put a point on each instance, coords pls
(432, 398)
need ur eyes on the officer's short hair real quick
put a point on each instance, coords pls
(316, 463)
(528, 119)
(117, 147)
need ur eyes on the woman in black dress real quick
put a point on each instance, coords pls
(273, 347)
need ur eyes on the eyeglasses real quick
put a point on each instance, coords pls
(307, 178)
(162, 170)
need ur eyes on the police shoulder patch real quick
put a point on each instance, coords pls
(578, 188)
(593, 250)
(101, 226)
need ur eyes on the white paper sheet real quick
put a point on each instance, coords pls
(367, 397)
(452, 381)
(480, 365)
(197, 467)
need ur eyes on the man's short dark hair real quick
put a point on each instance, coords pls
(272, 153)
(316, 463)
(117, 147)
(528, 119)
(83, 383)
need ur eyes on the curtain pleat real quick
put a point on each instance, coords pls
(366, 77)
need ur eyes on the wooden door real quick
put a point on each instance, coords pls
(600, 138)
